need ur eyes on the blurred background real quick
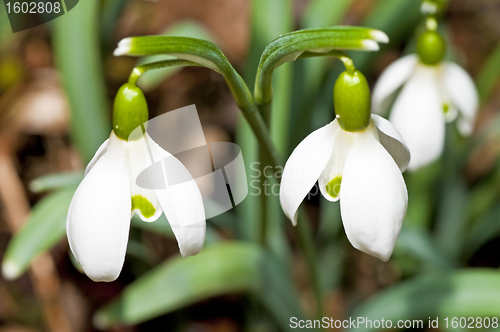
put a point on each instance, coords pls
(57, 84)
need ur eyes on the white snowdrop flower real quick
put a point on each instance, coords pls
(434, 92)
(357, 159)
(99, 216)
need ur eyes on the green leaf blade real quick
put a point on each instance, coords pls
(78, 58)
(56, 181)
(462, 293)
(220, 269)
(45, 227)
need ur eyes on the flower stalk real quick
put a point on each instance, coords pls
(205, 54)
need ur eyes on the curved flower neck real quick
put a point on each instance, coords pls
(130, 111)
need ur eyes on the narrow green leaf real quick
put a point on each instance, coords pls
(279, 122)
(162, 227)
(269, 18)
(463, 293)
(320, 13)
(110, 15)
(452, 217)
(483, 230)
(489, 75)
(76, 45)
(56, 181)
(416, 242)
(221, 269)
(44, 228)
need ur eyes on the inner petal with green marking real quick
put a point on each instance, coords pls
(144, 205)
(446, 108)
(333, 187)
(450, 112)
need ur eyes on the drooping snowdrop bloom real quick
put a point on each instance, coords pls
(434, 92)
(99, 216)
(357, 159)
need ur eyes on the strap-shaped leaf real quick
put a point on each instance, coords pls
(466, 293)
(290, 46)
(56, 181)
(45, 227)
(221, 269)
(76, 42)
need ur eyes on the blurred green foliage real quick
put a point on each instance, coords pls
(449, 220)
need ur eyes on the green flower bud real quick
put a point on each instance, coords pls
(431, 48)
(351, 98)
(130, 110)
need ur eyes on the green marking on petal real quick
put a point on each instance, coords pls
(333, 187)
(446, 108)
(141, 203)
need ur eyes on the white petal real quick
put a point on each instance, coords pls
(463, 94)
(335, 168)
(392, 141)
(181, 202)
(303, 168)
(97, 155)
(144, 202)
(418, 116)
(391, 79)
(374, 199)
(99, 216)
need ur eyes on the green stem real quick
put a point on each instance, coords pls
(341, 55)
(321, 41)
(303, 230)
(263, 200)
(306, 242)
(208, 55)
(264, 161)
(139, 70)
(431, 23)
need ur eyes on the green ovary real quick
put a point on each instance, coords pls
(431, 48)
(140, 203)
(351, 100)
(130, 111)
(333, 187)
